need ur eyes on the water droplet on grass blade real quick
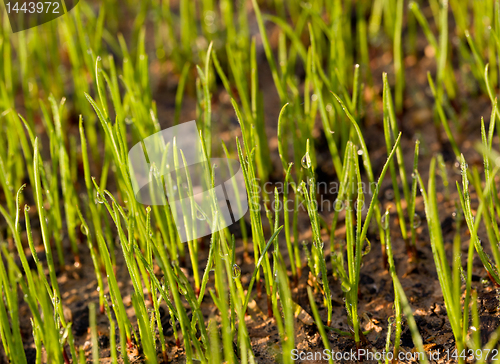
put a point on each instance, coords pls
(345, 287)
(27, 208)
(84, 229)
(221, 253)
(306, 161)
(338, 205)
(182, 290)
(385, 221)
(99, 198)
(319, 245)
(416, 221)
(367, 247)
(236, 271)
(200, 215)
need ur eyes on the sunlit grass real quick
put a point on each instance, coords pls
(78, 92)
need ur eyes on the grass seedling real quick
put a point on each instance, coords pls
(253, 198)
(392, 270)
(308, 192)
(93, 330)
(9, 312)
(398, 55)
(451, 292)
(318, 321)
(355, 239)
(390, 130)
(415, 334)
(414, 218)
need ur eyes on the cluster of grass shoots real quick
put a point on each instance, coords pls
(87, 97)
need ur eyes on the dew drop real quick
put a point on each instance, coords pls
(221, 253)
(319, 245)
(367, 247)
(306, 161)
(99, 198)
(345, 287)
(200, 215)
(236, 271)
(182, 290)
(416, 221)
(385, 221)
(84, 229)
(27, 208)
(338, 205)
(56, 300)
